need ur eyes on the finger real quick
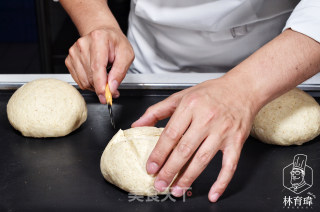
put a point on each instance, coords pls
(172, 133)
(80, 72)
(159, 111)
(123, 57)
(75, 67)
(198, 163)
(98, 63)
(82, 46)
(116, 93)
(70, 67)
(187, 145)
(229, 164)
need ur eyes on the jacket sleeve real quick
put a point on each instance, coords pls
(305, 19)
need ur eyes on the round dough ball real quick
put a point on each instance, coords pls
(293, 118)
(46, 108)
(123, 162)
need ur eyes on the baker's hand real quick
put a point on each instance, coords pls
(206, 118)
(90, 55)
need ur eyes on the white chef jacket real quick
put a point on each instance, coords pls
(211, 35)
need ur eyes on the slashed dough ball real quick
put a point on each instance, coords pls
(293, 118)
(46, 108)
(123, 162)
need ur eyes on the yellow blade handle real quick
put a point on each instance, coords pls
(108, 95)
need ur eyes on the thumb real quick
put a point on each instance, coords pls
(119, 69)
(158, 112)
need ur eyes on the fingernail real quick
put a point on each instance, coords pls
(160, 185)
(214, 197)
(117, 94)
(152, 168)
(114, 86)
(177, 191)
(102, 99)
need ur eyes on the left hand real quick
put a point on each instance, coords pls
(211, 116)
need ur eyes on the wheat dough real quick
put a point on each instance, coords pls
(291, 119)
(46, 108)
(123, 162)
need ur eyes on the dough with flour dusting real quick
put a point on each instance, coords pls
(123, 162)
(291, 119)
(46, 108)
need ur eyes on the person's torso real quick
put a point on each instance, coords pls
(201, 35)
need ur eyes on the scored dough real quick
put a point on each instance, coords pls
(46, 108)
(293, 118)
(123, 162)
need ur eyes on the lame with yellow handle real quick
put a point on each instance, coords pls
(108, 95)
(109, 103)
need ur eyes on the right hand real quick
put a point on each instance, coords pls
(90, 55)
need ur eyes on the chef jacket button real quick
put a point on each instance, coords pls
(239, 31)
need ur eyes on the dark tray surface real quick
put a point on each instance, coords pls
(63, 174)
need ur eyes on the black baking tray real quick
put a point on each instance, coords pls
(63, 174)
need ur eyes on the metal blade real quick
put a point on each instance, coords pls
(111, 116)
